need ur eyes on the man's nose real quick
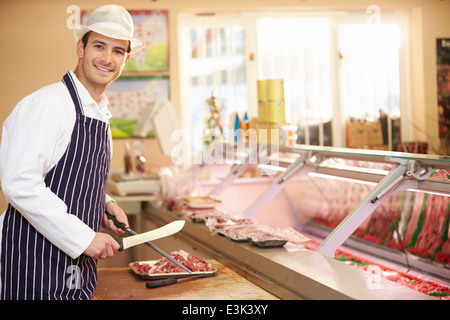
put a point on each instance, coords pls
(107, 56)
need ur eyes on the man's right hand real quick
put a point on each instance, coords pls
(102, 246)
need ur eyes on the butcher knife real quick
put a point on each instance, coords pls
(161, 232)
(126, 228)
(168, 281)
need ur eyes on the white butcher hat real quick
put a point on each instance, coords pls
(112, 21)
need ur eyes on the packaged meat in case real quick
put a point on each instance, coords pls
(275, 237)
(221, 224)
(264, 239)
(200, 201)
(201, 215)
(292, 235)
(243, 229)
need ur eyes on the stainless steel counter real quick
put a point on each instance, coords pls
(288, 275)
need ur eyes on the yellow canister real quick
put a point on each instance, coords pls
(275, 89)
(261, 87)
(275, 110)
(263, 111)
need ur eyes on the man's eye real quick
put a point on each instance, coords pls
(119, 52)
(98, 46)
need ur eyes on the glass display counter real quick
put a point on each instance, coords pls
(411, 228)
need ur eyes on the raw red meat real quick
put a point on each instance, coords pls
(415, 218)
(428, 287)
(163, 265)
(433, 224)
(427, 233)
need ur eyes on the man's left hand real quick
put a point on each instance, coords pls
(114, 209)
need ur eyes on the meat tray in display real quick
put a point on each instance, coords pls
(200, 201)
(234, 226)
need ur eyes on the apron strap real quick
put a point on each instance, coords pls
(70, 84)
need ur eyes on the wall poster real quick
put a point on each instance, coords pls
(129, 97)
(150, 26)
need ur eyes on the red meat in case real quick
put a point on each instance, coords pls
(434, 223)
(427, 233)
(415, 216)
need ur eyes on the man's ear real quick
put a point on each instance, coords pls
(80, 49)
(126, 59)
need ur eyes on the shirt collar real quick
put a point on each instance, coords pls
(85, 97)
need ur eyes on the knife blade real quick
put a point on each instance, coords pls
(126, 228)
(158, 233)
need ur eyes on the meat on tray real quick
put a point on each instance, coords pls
(163, 265)
(199, 199)
(200, 215)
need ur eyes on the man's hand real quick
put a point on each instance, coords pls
(102, 246)
(115, 210)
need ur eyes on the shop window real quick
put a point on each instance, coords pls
(335, 66)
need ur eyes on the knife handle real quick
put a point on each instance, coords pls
(118, 224)
(160, 283)
(120, 242)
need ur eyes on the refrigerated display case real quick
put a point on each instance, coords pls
(387, 209)
(420, 184)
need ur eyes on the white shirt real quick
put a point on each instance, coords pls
(34, 138)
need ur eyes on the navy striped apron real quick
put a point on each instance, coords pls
(32, 267)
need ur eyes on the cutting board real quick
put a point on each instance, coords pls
(124, 284)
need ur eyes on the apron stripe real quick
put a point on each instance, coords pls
(33, 267)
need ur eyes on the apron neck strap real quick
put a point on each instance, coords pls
(70, 84)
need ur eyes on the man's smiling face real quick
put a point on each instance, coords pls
(102, 59)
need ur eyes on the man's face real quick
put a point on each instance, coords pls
(103, 58)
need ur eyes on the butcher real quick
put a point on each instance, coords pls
(54, 162)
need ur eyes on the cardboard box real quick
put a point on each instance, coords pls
(357, 135)
(374, 133)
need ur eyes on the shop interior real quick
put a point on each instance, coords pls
(353, 165)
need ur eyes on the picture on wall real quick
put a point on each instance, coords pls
(443, 86)
(129, 97)
(150, 26)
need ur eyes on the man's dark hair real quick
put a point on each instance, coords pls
(86, 37)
